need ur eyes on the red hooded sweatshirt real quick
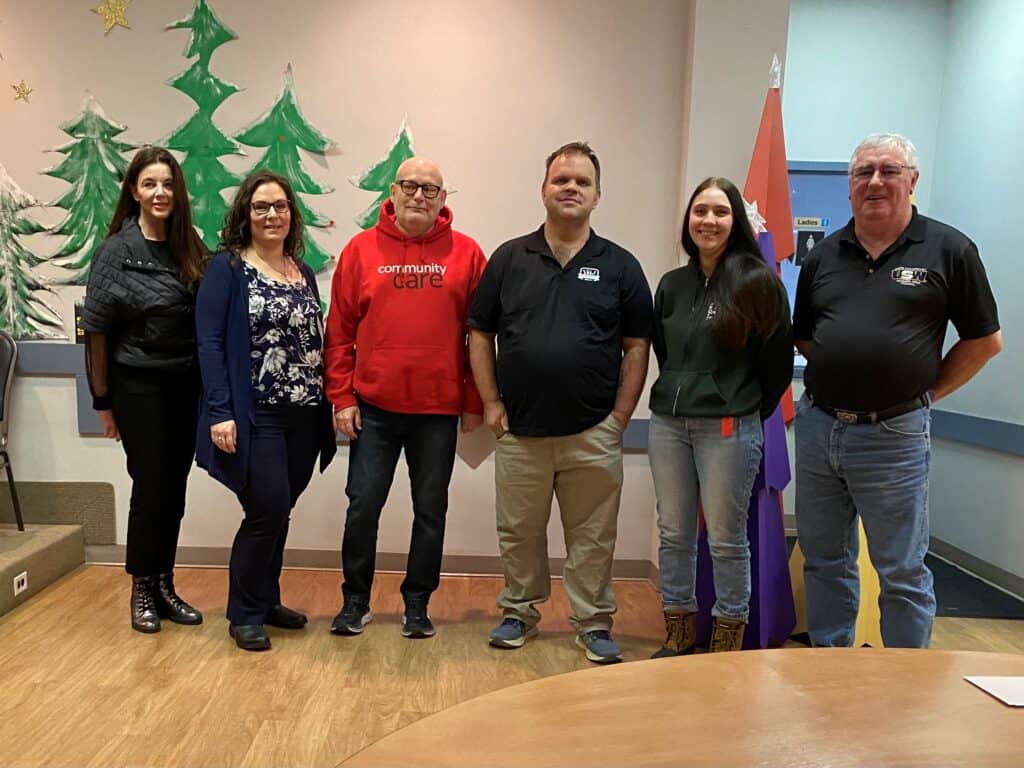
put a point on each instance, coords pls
(396, 329)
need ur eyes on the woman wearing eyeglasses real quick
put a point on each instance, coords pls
(263, 416)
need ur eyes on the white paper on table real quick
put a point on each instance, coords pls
(475, 447)
(1009, 690)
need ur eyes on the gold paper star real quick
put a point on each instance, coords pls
(113, 12)
(21, 91)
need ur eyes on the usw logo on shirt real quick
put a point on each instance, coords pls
(910, 275)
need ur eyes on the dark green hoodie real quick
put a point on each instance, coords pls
(701, 377)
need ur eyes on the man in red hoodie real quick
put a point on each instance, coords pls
(398, 375)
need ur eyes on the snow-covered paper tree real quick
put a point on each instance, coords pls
(201, 140)
(23, 313)
(94, 166)
(284, 131)
(378, 177)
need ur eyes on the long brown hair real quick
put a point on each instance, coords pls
(186, 247)
(237, 233)
(751, 298)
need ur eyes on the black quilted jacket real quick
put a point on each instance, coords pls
(141, 304)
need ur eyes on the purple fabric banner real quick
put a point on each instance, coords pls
(776, 455)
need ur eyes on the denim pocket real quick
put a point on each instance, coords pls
(912, 424)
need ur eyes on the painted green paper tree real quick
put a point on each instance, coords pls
(201, 140)
(284, 131)
(378, 177)
(94, 166)
(23, 313)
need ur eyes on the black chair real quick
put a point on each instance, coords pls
(8, 362)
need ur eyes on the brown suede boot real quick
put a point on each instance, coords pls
(727, 635)
(681, 634)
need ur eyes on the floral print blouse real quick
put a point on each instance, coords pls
(287, 339)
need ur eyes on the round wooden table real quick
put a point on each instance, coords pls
(793, 707)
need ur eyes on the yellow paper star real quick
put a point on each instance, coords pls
(21, 91)
(113, 13)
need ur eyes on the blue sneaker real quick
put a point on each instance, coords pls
(599, 647)
(511, 633)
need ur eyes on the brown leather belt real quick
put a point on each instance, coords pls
(873, 417)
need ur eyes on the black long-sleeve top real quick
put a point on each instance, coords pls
(138, 312)
(699, 375)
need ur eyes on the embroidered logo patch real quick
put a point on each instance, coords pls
(590, 274)
(910, 275)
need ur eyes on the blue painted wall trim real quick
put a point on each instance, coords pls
(54, 358)
(814, 166)
(50, 358)
(1002, 436)
(43, 358)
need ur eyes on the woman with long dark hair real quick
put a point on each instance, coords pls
(263, 415)
(724, 345)
(139, 321)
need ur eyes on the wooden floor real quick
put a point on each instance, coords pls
(79, 688)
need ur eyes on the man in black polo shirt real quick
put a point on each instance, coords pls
(572, 313)
(872, 305)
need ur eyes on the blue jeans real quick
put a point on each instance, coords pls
(691, 461)
(880, 472)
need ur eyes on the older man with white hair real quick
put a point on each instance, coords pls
(872, 306)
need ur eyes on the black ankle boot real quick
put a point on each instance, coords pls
(144, 615)
(170, 606)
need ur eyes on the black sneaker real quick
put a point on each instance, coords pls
(416, 622)
(354, 615)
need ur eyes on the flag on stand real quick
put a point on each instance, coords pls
(767, 187)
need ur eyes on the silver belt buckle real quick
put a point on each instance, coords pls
(847, 417)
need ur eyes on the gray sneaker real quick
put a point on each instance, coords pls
(599, 647)
(511, 633)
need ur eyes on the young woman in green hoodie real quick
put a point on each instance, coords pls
(724, 345)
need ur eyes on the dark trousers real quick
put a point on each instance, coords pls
(282, 453)
(429, 443)
(156, 414)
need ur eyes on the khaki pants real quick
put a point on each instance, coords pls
(584, 471)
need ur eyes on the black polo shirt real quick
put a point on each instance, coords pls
(560, 330)
(878, 326)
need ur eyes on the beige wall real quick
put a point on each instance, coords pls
(666, 91)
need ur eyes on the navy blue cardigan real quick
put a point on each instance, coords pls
(222, 334)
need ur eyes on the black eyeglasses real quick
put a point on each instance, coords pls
(262, 207)
(887, 171)
(430, 191)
